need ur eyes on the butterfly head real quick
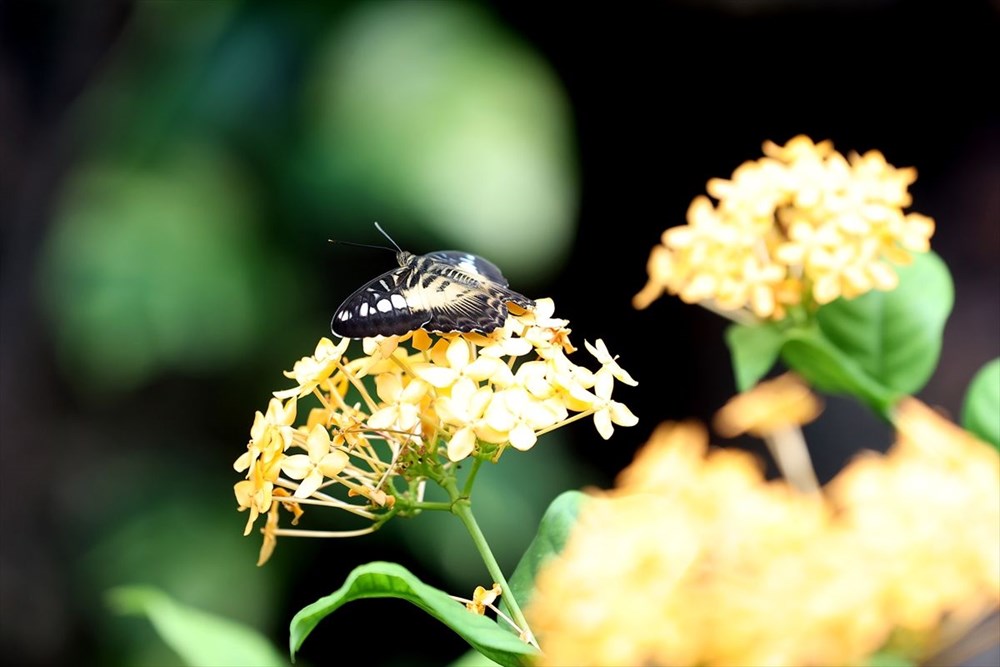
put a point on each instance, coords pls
(405, 258)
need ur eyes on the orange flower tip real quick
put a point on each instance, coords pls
(516, 309)
(770, 406)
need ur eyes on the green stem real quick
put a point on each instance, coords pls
(467, 489)
(429, 505)
(462, 508)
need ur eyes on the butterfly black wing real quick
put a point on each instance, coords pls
(380, 308)
(442, 291)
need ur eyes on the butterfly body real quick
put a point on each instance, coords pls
(441, 291)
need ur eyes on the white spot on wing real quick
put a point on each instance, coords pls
(468, 264)
(345, 315)
(363, 310)
(384, 285)
(398, 301)
(383, 305)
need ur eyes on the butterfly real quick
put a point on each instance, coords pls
(443, 291)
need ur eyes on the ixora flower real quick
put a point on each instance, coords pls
(901, 553)
(409, 409)
(801, 226)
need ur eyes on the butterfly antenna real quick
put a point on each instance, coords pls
(379, 227)
(361, 245)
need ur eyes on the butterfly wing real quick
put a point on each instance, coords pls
(474, 265)
(465, 292)
(443, 291)
(465, 308)
(380, 308)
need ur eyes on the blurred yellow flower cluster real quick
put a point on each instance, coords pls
(451, 394)
(802, 225)
(695, 559)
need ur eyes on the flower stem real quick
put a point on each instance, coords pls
(462, 508)
(430, 505)
(467, 489)
(789, 450)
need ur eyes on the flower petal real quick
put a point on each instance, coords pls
(461, 444)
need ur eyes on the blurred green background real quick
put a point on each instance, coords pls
(171, 172)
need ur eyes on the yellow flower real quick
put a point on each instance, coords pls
(459, 365)
(695, 559)
(309, 372)
(519, 414)
(270, 436)
(802, 225)
(443, 395)
(320, 462)
(271, 529)
(482, 598)
(401, 404)
(927, 517)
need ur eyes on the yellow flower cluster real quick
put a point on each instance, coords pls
(696, 560)
(457, 394)
(802, 225)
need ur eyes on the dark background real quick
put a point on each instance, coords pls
(115, 476)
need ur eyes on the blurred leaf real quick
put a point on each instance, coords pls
(430, 111)
(381, 580)
(213, 566)
(154, 268)
(981, 409)
(829, 369)
(754, 350)
(553, 531)
(199, 638)
(895, 337)
(145, 99)
(473, 659)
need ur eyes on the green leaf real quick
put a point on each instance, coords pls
(473, 659)
(895, 337)
(553, 531)
(981, 410)
(754, 349)
(829, 369)
(153, 268)
(448, 120)
(199, 638)
(389, 580)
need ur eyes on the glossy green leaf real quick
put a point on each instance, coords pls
(981, 410)
(390, 580)
(553, 531)
(829, 369)
(895, 337)
(754, 349)
(200, 639)
(473, 659)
